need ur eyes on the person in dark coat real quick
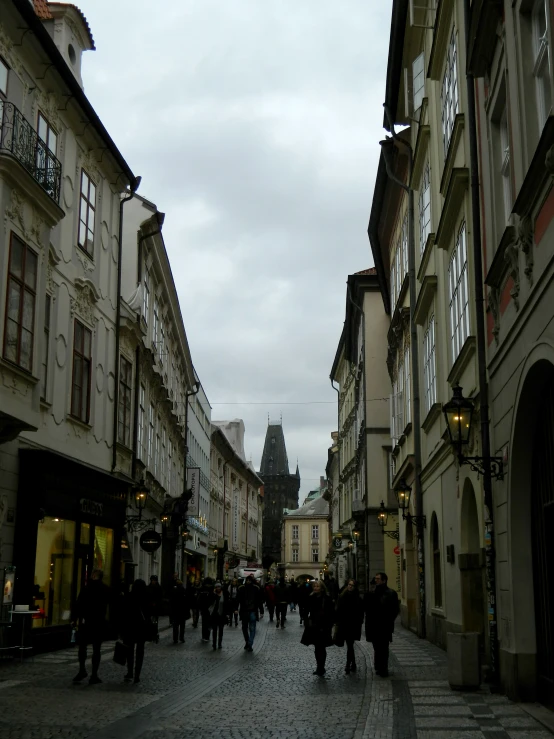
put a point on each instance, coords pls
(320, 615)
(250, 604)
(381, 609)
(270, 599)
(282, 597)
(194, 591)
(204, 599)
(179, 610)
(90, 617)
(219, 612)
(293, 591)
(349, 617)
(302, 594)
(233, 591)
(135, 626)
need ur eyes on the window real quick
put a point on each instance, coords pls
(295, 555)
(141, 430)
(163, 457)
(429, 365)
(20, 307)
(449, 93)
(54, 571)
(418, 80)
(45, 348)
(124, 411)
(315, 531)
(151, 416)
(541, 54)
(505, 164)
(4, 69)
(425, 206)
(162, 351)
(146, 296)
(407, 386)
(458, 293)
(158, 446)
(392, 286)
(295, 531)
(170, 464)
(45, 156)
(315, 555)
(87, 210)
(80, 389)
(404, 242)
(156, 326)
(435, 545)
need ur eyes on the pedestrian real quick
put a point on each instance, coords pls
(333, 588)
(134, 628)
(293, 594)
(349, 617)
(250, 601)
(233, 591)
(303, 593)
(155, 600)
(219, 611)
(204, 600)
(90, 617)
(282, 597)
(320, 614)
(193, 602)
(381, 609)
(179, 610)
(270, 599)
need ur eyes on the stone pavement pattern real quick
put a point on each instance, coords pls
(191, 691)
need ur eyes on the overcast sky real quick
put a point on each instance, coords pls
(255, 126)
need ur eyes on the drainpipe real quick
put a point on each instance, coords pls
(185, 495)
(490, 552)
(337, 390)
(386, 146)
(134, 187)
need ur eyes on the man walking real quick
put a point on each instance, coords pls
(205, 597)
(90, 614)
(219, 610)
(282, 596)
(270, 600)
(381, 609)
(250, 602)
(233, 591)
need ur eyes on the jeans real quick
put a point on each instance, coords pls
(350, 656)
(381, 655)
(217, 634)
(131, 658)
(271, 610)
(249, 627)
(178, 629)
(281, 613)
(96, 645)
(320, 658)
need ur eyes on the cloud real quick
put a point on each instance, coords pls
(255, 126)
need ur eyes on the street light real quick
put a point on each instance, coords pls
(403, 492)
(356, 533)
(459, 415)
(382, 518)
(139, 493)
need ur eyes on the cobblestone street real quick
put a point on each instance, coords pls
(191, 691)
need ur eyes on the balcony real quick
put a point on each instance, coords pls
(20, 139)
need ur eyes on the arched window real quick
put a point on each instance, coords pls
(436, 549)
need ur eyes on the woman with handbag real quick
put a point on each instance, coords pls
(136, 628)
(320, 614)
(348, 622)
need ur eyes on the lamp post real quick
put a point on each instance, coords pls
(459, 415)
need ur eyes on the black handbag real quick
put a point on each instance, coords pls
(120, 653)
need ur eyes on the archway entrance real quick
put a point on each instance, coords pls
(470, 563)
(531, 534)
(542, 525)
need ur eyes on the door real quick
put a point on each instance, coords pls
(542, 515)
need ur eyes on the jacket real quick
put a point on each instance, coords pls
(135, 618)
(213, 609)
(250, 599)
(320, 618)
(349, 615)
(381, 609)
(282, 593)
(179, 604)
(270, 597)
(91, 606)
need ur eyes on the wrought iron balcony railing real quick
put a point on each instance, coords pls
(19, 138)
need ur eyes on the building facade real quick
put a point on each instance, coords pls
(363, 443)
(510, 56)
(62, 508)
(280, 490)
(305, 540)
(236, 505)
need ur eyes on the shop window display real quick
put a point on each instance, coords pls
(103, 552)
(54, 571)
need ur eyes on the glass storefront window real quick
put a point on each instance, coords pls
(102, 557)
(54, 571)
(85, 533)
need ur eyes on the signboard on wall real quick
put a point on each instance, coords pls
(193, 485)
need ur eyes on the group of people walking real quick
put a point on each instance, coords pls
(329, 616)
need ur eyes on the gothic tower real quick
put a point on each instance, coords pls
(280, 491)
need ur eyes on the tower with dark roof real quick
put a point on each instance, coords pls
(280, 490)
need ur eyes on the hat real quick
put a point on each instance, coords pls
(217, 585)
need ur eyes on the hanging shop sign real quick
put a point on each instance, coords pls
(150, 541)
(91, 507)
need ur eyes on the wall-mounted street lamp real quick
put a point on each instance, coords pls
(356, 533)
(459, 414)
(403, 493)
(382, 518)
(139, 494)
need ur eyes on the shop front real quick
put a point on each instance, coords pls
(70, 520)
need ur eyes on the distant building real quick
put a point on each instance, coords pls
(280, 491)
(305, 539)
